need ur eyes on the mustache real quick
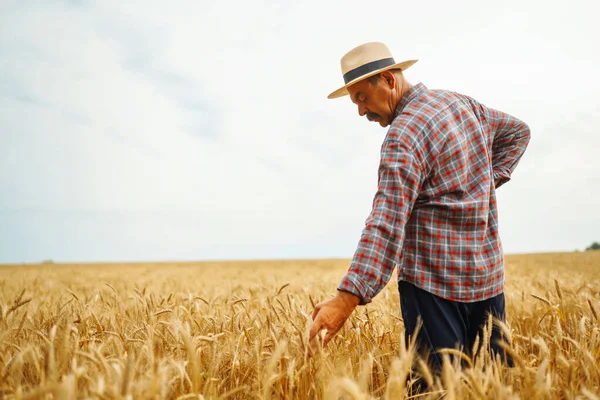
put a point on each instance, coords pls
(371, 116)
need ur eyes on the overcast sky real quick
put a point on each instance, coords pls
(186, 130)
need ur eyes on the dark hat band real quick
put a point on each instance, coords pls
(367, 68)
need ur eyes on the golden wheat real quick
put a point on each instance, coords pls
(239, 330)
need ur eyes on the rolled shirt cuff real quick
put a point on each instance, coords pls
(353, 284)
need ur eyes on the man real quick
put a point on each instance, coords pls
(434, 214)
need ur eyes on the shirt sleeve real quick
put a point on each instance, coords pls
(510, 137)
(399, 182)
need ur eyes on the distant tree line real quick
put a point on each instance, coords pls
(593, 246)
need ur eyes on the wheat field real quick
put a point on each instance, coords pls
(239, 330)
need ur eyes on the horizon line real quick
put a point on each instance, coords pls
(234, 260)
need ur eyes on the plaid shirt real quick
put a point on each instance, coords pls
(434, 213)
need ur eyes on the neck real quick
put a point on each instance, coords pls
(402, 87)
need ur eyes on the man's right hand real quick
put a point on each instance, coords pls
(331, 315)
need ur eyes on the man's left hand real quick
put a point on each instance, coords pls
(331, 315)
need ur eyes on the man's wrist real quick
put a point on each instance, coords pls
(348, 298)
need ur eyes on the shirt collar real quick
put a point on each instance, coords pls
(409, 96)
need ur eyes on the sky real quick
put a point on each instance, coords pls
(195, 130)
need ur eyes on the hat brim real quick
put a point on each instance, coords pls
(343, 91)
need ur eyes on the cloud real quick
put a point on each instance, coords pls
(141, 130)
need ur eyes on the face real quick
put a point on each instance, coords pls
(375, 101)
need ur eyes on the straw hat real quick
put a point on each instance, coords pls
(364, 61)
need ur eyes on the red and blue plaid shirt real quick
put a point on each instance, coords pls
(434, 214)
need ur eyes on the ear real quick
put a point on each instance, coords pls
(389, 78)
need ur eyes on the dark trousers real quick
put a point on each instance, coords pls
(449, 324)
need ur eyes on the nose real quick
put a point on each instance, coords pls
(362, 110)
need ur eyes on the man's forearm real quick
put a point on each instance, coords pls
(510, 139)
